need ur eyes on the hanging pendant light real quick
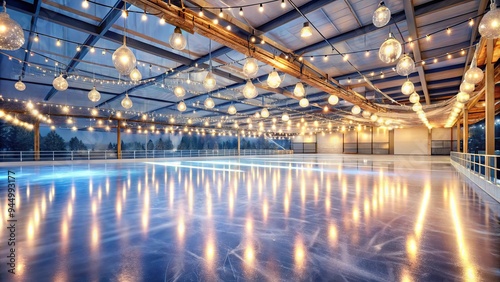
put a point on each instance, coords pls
(209, 103)
(181, 107)
(355, 110)
(463, 97)
(390, 50)
(231, 110)
(209, 82)
(414, 98)
(306, 30)
(11, 33)
(416, 107)
(299, 90)
(135, 75)
(274, 80)
(250, 68)
(407, 88)
(304, 102)
(127, 102)
(381, 15)
(474, 74)
(20, 86)
(405, 66)
(94, 95)
(179, 91)
(60, 83)
(489, 27)
(285, 117)
(366, 114)
(250, 91)
(177, 40)
(124, 60)
(264, 113)
(467, 87)
(374, 118)
(333, 100)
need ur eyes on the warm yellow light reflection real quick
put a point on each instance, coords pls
(299, 255)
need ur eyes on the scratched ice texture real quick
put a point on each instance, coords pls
(267, 218)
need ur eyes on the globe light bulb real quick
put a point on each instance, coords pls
(209, 103)
(181, 107)
(209, 82)
(127, 102)
(11, 33)
(489, 27)
(416, 107)
(374, 118)
(179, 91)
(177, 40)
(333, 100)
(463, 97)
(274, 80)
(467, 87)
(94, 95)
(264, 113)
(304, 102)
(250, 68)
(474, 74)
(60, 83)
(306, 30)
(285, 117)
(414, 98)
(20, 86)
(355, 110)
(135, 75)
(407, 88)
(299, 90)
(381, 15)
(250, 91)
(366, 114)
(390, 50)
(231, 110)
(405, 66)
(124, 60)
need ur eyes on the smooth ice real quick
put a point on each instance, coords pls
(267, 218)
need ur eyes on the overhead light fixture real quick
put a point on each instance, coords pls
(366, 114)
(241, 11)
(467, 87)
(304, 102)
(209, 103)
(181, 107)
(177, 39)
(381, 16)
(179, 91)
(414, 98)
(135, 75)
(274, 79)
(374, 118)
(489, 27)
(264, 113)
(127, 102)
(390, 50)
(285, 117)
(209, 82)
(355, 110)
(250, 68)
(144, 16)
(60, 83)
(85, 4)
(405, 66)
(11, 33)
(306, 30)
(250, 91)
(283, 4)
(20, 86)
(407, 88)
(333, 100)
(474, 74)
(94, 95)
(299, 90)
(463, 97)
(261, 8)
(123, 59)
(231, 110)
(416, 107)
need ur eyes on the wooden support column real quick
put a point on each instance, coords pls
(458, 136)
(239, 143)
(36, 142)
(489, 127)
(118, 141)
(466, 131)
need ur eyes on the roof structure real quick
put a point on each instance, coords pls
(77, 39)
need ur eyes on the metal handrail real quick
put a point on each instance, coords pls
(23, 156)
(484, 166)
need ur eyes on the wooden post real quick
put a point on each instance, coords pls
(489, 127)
(458, 136)
(36, 142)
(466, 131)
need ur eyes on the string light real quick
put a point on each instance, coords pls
(85, 4)
(36, 38)
(144, 16)
(283, 4)
(221, 14)
(58, 43)
(162, 21)
(261, 8)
